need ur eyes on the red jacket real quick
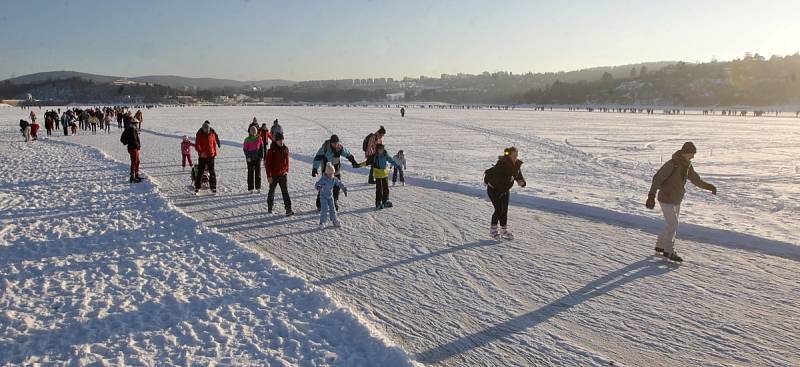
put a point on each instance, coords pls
(265, 135)
(277, 160)
(206, 144)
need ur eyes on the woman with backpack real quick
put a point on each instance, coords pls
(370, 146)
(499, 179)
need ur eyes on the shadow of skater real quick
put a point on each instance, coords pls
(409, 260)
(630, 273)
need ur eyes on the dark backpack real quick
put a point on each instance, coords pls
(366, 142)
(488, 175)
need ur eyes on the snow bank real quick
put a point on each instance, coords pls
(95, 270)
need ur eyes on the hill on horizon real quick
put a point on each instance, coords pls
(173, 81)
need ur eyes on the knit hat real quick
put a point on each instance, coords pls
(329, 169)
(688, 147)
(207, 123)
(334, 138)
(185, 138)
(278, 136)
(382, 130)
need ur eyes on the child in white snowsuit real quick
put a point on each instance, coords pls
(325, 187)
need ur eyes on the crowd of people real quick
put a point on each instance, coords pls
(267, 144)
(91, 120)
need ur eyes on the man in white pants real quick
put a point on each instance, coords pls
(670, 182)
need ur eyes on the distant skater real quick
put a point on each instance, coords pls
(130, 138)
(670, 182)
(399, 170)
(499, 179)
(25, 129)
(402, 112)
(186, 152)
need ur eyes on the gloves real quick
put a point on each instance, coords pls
(521, 182)
(713, 189)
(651, 202)
(353, 161)
(314, 172)
(345, 192)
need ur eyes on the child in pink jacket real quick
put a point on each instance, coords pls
(186, 151)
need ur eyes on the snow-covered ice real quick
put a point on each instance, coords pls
(579, 285)
(96, 271)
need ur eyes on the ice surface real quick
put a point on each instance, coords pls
(577, 287)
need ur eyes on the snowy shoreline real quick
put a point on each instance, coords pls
(314, 330)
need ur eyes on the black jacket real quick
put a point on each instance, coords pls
(130, 137)
(501, 177)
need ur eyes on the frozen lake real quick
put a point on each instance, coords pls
(578, 286)
(602, 160)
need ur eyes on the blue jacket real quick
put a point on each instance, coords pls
(382, 161)
(326, 184)
(326, 154)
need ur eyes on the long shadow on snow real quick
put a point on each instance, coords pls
(393, 264)
(721, 237)
(261, 223)
(647, 267)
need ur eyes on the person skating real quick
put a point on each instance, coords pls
(276, 128)
(186, 152)
(130, 138)
(139, 117)
(332, 151)
(499, 180)
(48, 123)
(34, 130)
(206, 143)
(326, 186)
(107, 122)
(253, 123)
(400, 158)
(25, 129)
(253, 152)
(371, 141)
(93, 121)
(669, 182)
(65, 120)
(402, 112)
(276, 164)
(380, 171)
(266, 136)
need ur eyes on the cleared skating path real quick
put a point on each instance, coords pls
(567, 291)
